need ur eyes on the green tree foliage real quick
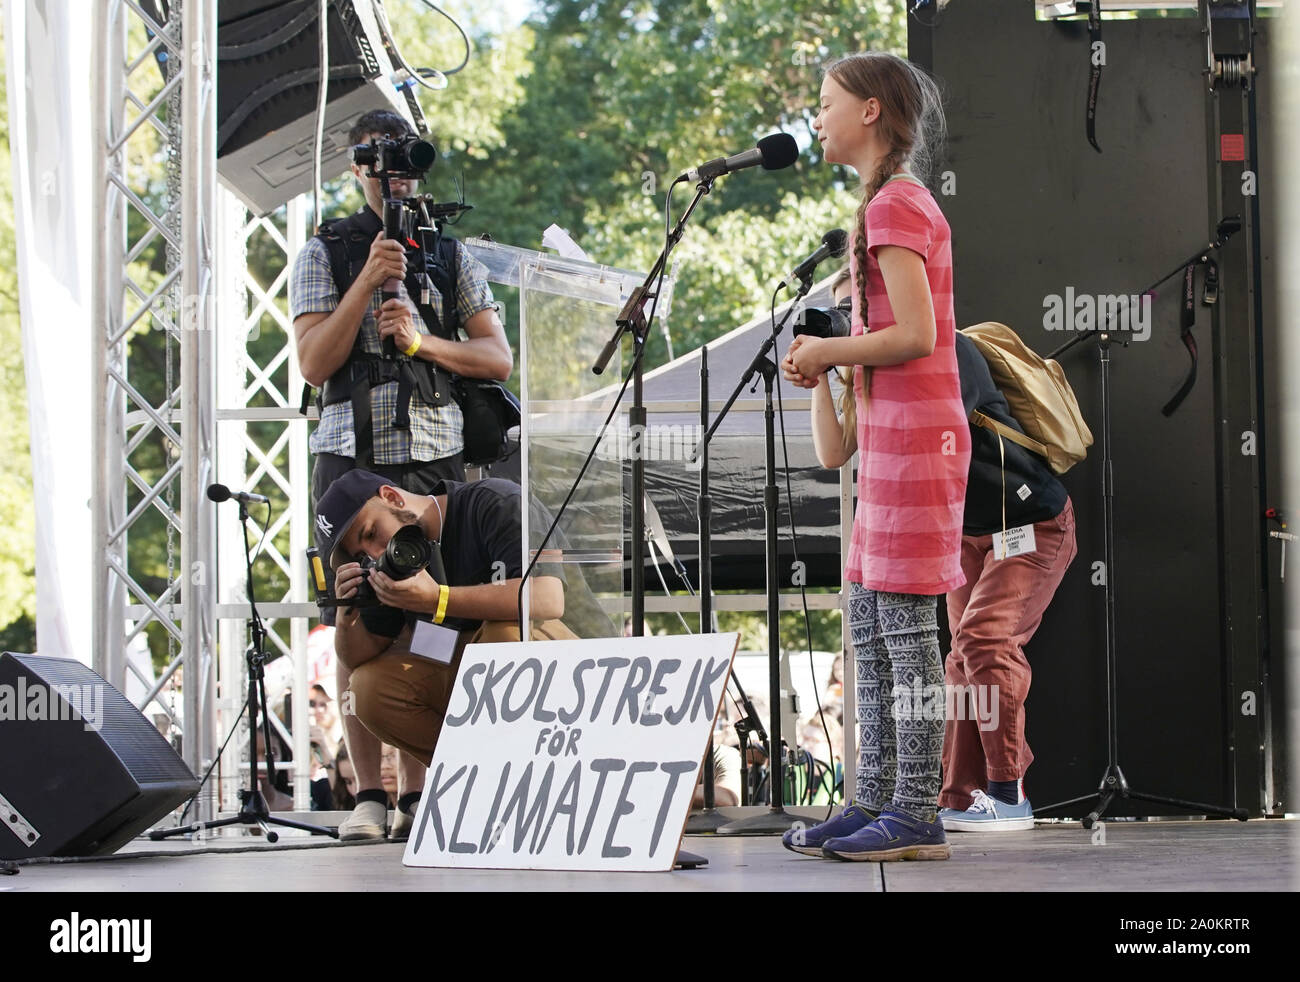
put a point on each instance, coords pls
(622, 97)
(465, 119)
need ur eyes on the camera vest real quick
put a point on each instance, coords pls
(348, 241)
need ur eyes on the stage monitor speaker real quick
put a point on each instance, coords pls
(268, 77)
(82, 772)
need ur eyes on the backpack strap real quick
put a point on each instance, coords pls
(443, 272)
(337, 235)
(448, 264)
(1015, 436)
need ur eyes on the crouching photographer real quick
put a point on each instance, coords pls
(416, 578)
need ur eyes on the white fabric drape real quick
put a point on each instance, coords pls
(47, 56)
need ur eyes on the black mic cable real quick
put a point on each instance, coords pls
(803, 593)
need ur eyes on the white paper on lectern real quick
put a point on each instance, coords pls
(571, 755)
(562, 242)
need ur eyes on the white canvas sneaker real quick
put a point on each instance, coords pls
(987, 814)
(369, 820)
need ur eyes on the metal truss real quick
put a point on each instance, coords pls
(262, 443)
(155, 101)
(173, 285)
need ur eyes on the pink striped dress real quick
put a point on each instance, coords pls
(912, 431)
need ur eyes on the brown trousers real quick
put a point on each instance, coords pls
(992, 618)
(402, 698)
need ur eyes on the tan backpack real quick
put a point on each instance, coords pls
(1038, 395)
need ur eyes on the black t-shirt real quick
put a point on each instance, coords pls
(1033, 494)
(482, 538)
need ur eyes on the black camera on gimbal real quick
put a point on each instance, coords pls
(403, 157)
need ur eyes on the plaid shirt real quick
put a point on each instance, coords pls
(436, 431)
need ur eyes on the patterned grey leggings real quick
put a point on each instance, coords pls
(900, 700)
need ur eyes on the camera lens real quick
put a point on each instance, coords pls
(407, 553)
(823, 322)
(841, 325)
(420, 154)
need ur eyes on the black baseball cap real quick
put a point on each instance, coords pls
(338, 508)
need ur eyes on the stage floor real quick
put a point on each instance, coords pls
(1166, 855)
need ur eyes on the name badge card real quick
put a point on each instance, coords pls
(434, 641)
(1016, 542)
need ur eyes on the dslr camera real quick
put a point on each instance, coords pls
(407, 552)
(825, 322)
(403, 157)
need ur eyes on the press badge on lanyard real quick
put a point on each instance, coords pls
(433, 641)
(1013, 542)
(1016, 541)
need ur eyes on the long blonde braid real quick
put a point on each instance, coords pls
(912, 125)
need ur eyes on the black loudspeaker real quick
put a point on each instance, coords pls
(82, 772)
(268, 78)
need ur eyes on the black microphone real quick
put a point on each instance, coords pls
(774, 152)
(219, 492)
(834, 244)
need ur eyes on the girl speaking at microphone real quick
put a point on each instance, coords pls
(882, 116)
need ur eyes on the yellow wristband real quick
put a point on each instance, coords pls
(415, 346)
(444, 592)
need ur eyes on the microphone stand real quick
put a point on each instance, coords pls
(709, 819)
(632, 319)
(777, 819)
(1113, 783)
(253, 808)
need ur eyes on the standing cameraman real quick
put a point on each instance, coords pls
(340, 323)
(340, 338)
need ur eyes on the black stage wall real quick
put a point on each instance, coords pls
(1037, 210)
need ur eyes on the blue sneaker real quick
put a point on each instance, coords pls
(808, 842)
(890, 837)
(987, 814)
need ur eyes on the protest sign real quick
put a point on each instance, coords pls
(573, 755)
